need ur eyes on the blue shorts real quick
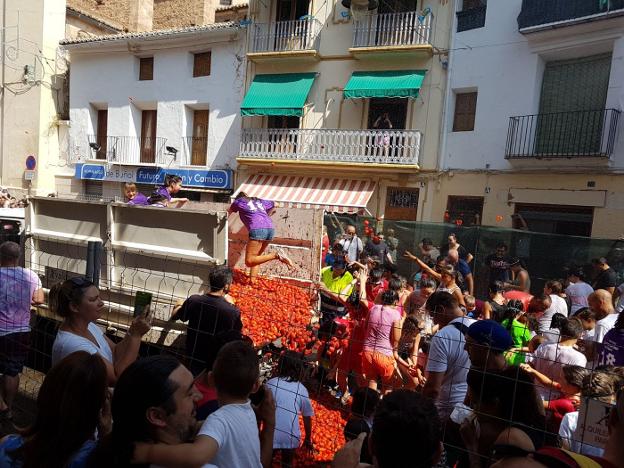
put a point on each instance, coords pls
(264, 234)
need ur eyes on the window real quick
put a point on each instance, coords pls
(93, 189)
(472, 15)
(401, 204)
(465, 110)
(395, 108)
(146, 68)
(568, 220)
(201, 64)
(102, 131)
(199, 143)
(464, 211)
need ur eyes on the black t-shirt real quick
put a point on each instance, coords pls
(499, 268)
(461, 251)
(606, 279)
(377, 250)
(208, 316)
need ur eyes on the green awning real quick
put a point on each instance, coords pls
(384, 84)
(283, 94)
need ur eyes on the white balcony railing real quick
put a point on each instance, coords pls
(392, 29)
(284, 36)
(129, 150)
(348, 146)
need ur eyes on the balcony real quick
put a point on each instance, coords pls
(406, 34)
(131, 150)
(473, 18)
(536, 15)
(394, 148)
(571, 135)
(296, 39)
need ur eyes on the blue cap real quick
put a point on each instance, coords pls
(339, 263)
(490, 333)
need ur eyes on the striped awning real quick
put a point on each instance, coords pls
(335, 195)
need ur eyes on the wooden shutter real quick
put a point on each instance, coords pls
(102, 131)
(146, 68)
(471, 4)
(201, 64)
(148, 136)
(200, 138)
(465, 110)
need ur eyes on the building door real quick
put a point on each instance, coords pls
(281, 139)
(148, 136)
(199, 144)
(401, 204)
(102, 133)
(572, 102)
(568, 220)
(464, 211)
(290, 10)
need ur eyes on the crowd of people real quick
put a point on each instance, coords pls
(9, 201)
(430, 374)
(162, 196)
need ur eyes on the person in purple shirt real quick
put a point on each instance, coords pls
(133, 196)
(256, 216)
(612, 346)
(172, 185)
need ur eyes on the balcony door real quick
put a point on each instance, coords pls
(572, 106)
(288, 33)
(148, 136)
(282, 139)
(102, 133)
(199, 145)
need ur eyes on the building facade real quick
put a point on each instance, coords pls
(344, 113)
(146, 104)
(533, 137)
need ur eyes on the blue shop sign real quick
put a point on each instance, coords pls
(217, 179)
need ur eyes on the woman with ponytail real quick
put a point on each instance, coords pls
(518, 328)
(78, 302)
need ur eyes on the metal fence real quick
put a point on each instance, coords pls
(130, 149)
(284, 36)
(540, 12)
(392, 29)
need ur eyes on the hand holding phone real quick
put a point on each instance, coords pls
(142, 303)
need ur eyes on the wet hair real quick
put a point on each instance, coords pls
(427, 283)
(574, 375)
(496, 287)
(441, 299)
(427, 241)
(156, 198)
(578, 272)
(511, 312)
(571, 328)
(557, 321)
(365, 401)
(236, 369)
(68, 409)
(585, 314)
(410, 325)
(516, 261)
(516, 303)
(390, 268)
(70, 292)
(145, 384)
(599, 385)
(395, 283)
(290, 366)
(376, 274)
(389, 297)
(449, 270)
(9, 251)
(405, 419)
(453, 235)
(171, 179)
(555, 286)
(220, 278)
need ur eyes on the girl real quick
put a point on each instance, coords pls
(133, 196)
(519, 331)
(172, 185)
(448, 284)
(494, 308)
(406, 354)
(291, 399)
(256, 216)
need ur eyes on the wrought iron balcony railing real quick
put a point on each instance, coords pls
(542, 12)
(284, 36)
(130, 150)
(392, 29)
(471, 19)
(346, 146)
(589, 133)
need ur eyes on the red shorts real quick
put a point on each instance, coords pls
(376, 365)
(351, 359)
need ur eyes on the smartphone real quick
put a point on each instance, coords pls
(142, 303)
(257, 397)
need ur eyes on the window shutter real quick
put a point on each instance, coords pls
(201, 64)
(465, 110)
(146, 68)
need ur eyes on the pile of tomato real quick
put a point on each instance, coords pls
(271, 309)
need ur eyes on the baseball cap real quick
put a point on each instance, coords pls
(490, 333)
(339, 264)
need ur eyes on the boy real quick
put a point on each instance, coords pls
(229, 437)
(172, 185)
(133, 196)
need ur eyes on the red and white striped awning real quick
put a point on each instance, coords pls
(336, 195)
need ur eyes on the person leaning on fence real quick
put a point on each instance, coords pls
(133, 196)
(20, 288)
(78, 302)
(154, 401)
(208, 316)
(72, 405)
(171, 186)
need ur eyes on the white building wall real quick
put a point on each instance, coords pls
(110, 80)
(506, 69)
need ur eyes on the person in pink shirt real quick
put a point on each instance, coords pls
(382, 338)
(256, 216)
